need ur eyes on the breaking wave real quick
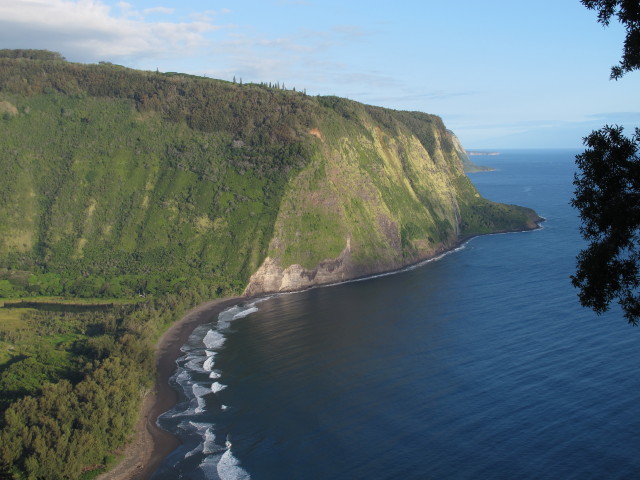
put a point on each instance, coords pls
(199, 417)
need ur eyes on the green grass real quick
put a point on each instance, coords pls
(69, 301)
(10, 318)
(11, 322)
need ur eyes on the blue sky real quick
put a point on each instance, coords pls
(501, 73)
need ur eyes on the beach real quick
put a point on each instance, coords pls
(151, 444)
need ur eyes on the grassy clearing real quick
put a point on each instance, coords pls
(11, 322)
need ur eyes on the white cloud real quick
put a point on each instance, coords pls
(163, 10)
(88, 30)
(127, 11)
(305, 58)
(207, 15)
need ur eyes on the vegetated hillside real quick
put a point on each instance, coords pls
(119, 181)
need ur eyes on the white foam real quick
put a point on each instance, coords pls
(181, 377)
(210, 446)
(213, 340)
(199, 357)
(185, 426)
(208, 363)
(229, 468)
(196, 336)
(196, 450)
(246, 312)
(209, 466)
(233, 313)
(217, 386)
(200, 392)
(199, 426)
(209, 438)
(194, 364)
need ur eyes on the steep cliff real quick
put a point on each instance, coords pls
(119, 181)
(384, 190)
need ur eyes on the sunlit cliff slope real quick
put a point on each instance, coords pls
(118, 181)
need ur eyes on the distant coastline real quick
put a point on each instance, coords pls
(483, 154)
(472, 167)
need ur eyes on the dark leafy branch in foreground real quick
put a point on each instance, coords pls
(628, 14)
(608, 198)
(607, 191)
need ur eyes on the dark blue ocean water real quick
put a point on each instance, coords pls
(478, 365)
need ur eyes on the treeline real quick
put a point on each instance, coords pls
(67, 429)
(65, 284)
(250, 112)
(77, 416)
(260, 114)
(31, 54)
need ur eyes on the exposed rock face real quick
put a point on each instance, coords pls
(271, 277)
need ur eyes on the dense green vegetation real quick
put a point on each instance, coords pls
(72, 389)
(163, 190)
(117, 200)
(120, 182)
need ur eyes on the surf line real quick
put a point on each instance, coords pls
(198, 379)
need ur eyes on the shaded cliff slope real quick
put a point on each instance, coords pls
(117, 181)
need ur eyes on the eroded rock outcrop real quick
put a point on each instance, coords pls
(271, 277)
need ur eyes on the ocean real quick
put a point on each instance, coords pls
(480, 364)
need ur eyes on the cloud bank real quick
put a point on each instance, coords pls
(90, 30)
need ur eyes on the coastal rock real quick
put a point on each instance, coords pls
(271, 277)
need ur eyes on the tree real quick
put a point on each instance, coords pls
(628, 13)
(607, 192)
(608, 198)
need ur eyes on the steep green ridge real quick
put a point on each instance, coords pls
(118, 183)
(129, 181)
(385, 189)
(122, 181)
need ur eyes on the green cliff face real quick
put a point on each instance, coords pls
(117, 181)
(383, 190)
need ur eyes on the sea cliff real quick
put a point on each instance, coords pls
(121, 182)
(164, 190)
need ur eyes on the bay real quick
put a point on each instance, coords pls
(481, 364)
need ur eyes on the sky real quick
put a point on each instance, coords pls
(500, 73)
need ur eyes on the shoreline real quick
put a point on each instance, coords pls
(461, 243)
(151, 444)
